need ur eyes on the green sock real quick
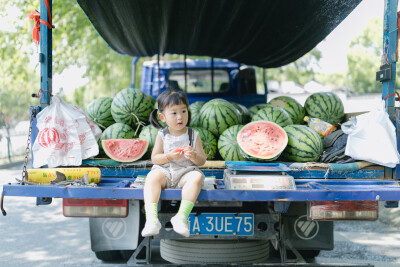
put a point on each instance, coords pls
(151, 211)
(186, 207)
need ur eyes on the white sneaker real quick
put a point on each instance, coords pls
(151, 228)
(180, 225)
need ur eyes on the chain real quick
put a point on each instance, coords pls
(28, 142)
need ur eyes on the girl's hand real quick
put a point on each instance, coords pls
(189, 153)
(175, 154)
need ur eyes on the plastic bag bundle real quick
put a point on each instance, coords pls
(372, 137)
(65, 137)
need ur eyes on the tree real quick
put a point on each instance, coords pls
(364, 59)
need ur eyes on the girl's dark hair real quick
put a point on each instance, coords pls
(168, 98)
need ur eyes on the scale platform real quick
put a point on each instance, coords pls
(244, 175)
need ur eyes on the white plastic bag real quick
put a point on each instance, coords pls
(372, 137)
(64, 137)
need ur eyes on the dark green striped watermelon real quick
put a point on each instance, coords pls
(116, 131)
(149, 133)
(274, 114)
(262, 140)
(304, 144)
(244, 112)
(228, 147)
(132, 107)
(253, 109)
(292, 107)
(195, 112)
(208, 141)
(217, 115)
(325, 106)
(99, 111)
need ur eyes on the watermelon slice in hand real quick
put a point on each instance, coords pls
(125, 150)
(262, 140)
(180, 149)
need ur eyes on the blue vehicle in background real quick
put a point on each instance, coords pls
(293, 209)
(203, 80)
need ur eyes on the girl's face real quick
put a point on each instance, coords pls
(175, 116)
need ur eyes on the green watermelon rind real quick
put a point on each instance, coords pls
(149, 133)
(274, 114)
(217, 115)
(258, 158)
(295, 110)
(109, 154)
(195, 108)
(304, 145)
(228, 147)
(132, 107)
(117, 130)
(326, 106)
(99, 111)
(253, 109)
(244, 112)
(208, 141)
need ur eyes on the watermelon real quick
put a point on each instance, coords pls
(325, 106)
(149, 133)
(217, 115)
(253, 109)
(208, 141)
(292, 107)
(118, 131)
(244, 112)
(304, 144)
(132, 107)
(195, 112)
(99, 111)
(262, 140)
(228, 146)
(274, 114)
(125, 150)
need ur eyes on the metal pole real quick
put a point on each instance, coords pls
(264, 72)
(133, 72)
(390, 34)
(212, 76)
(159, 74)
(45, 56)
(185, 71)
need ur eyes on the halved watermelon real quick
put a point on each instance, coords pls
(262, 140)
(125, 150)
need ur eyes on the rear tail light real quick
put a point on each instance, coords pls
(74, 207)
(343, 210)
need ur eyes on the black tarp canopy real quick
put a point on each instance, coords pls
(264, 33)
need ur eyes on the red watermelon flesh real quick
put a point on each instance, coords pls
(125, 150)
(262, 140)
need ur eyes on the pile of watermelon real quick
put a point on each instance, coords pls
(228, 131)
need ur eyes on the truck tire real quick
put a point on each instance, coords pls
(214, 251)
(108, 255)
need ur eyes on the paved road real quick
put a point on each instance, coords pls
(41, 236)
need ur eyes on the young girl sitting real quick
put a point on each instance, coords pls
(173, 167)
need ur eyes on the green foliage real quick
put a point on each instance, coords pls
(364, 58)
(301, 71)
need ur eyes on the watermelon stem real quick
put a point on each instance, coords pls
(139, 123)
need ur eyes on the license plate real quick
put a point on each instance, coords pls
(222, 224)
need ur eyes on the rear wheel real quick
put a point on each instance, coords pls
(214, 251)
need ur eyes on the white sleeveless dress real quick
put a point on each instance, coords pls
(175, 169)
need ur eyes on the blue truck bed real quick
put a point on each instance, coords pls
(336, 182)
